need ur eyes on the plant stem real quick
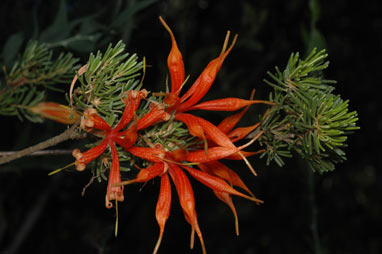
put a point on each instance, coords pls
(68, 134)
(39, 153)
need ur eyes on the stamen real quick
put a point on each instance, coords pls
(179, 163)
(167, 89)
(60, 169)
(155, 251)
(116, 218)
(181, 86)
(143, 74)
(123, 183)
(233, 42)
(192, 239)
(252, 140)
(236, 223)
(225, 42)
(252, 94)
(248, 164)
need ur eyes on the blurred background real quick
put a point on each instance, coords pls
(337, 212)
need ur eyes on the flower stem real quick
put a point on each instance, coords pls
(68, 134)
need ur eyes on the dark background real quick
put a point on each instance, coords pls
(337, 212)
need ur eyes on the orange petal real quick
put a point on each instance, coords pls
(230, 122)
(174, 62)
(156, 114)
(132, 101)
(205, 80)
(214, 153)
(186, 199)
(56, 112)
(219, 169)
(212, 132)
(226, 104)
(163, 207)
(84, 158)
(192, 123)
(91, 120)
(226, 198)
(240, 133)
(216, 183)
(114, 192)
(147, 153)
(179, 155)
(171, 100)
(146, 174)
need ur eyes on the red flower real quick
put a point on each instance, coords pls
(56, 112)
(211, 172)
(214, 175)
(174, 163)
(95, 124)
(197, 126)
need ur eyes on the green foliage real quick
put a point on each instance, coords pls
(31, 76)
(37, 69)
(107, 77)
(308, 118)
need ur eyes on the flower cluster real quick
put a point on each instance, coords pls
(201, 160)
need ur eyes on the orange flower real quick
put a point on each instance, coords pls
(197, 126)
(213, 174)
(56, 112)
(175, 165)
(114, 192)
(92, 122)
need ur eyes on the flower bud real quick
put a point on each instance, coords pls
(56, 112)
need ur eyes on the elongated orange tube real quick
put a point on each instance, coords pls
(212, 132)
(131, 105)
(56, 112)
(220, 170)
(226, 198)
(155, 115)
(174, 62)
(114, 192)
(93, 120)
(147, 153)
(84, 158)
(192, 123)
(230, 122)
(214, 153)
(216, 183)
(146, 174)
(187, 200)
(205, 80)
(163, 207)
(241, 132)
(226, 104)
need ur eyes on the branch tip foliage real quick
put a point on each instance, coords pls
(309, 118)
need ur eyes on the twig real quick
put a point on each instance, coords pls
(39, 153)
(68, 134)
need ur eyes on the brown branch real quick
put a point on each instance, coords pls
(39, 153)
(68, 134)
